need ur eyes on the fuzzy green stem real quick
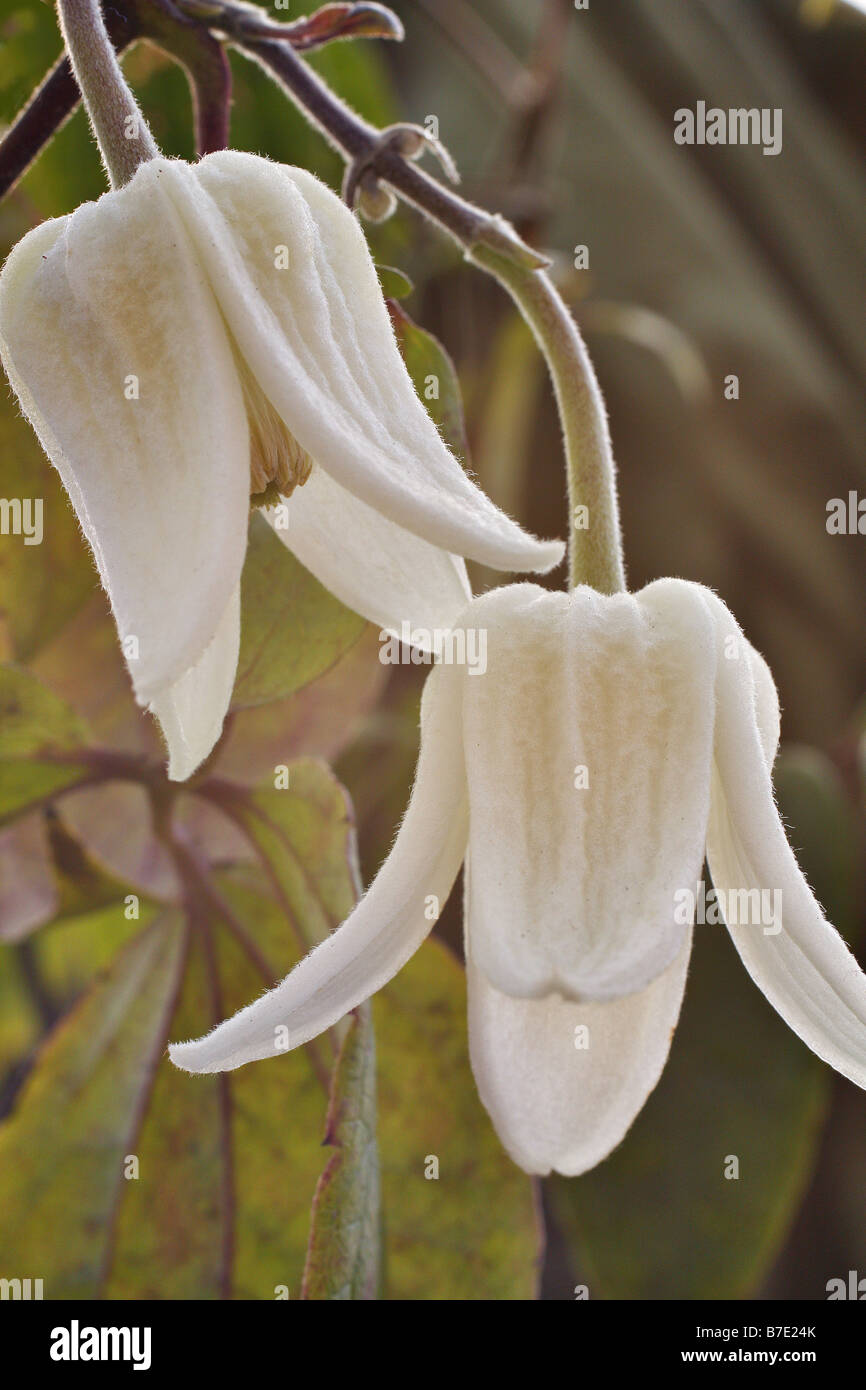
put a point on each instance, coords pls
(121, 132)
(595, 542)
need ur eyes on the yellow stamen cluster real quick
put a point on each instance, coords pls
(278, 464)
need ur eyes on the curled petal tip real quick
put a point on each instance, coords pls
(550, 554)
(184, 1056)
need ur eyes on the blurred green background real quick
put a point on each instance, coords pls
(702, 263)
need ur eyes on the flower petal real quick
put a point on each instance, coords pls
(563, 1082)
(588, 754)
(390, 921)
(374, 566)
(114, 343)
(799, 960)
(192, 710)
(292, 271)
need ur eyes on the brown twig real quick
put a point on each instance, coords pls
(361, 144)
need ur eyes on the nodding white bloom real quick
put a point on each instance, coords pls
(215, 332)
(611, 742)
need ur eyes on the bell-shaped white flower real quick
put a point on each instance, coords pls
(609, 744)
(214, 331)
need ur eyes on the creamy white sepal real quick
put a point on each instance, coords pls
(116, 348)
(295, 280)
(389, 923)
(805, 969)
(588, 754)
(563, 1082)
(192, 710)
(374, 566)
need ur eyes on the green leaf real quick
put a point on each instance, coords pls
(62, 1151)
(61, 960)
(226, 1167)
(343, 1255)
(19, 1024)
(41, 585)
(422, 1053)
(229, 1162)
(35, 727)
(434, 378)
(395, 283)
(304, 831)
(659, 1219)
(292, 629)
(473, 1231)
(73, 951)
(32, 718)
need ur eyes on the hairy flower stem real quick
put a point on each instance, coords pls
(121, 132)
(595, 542)
(595, 545)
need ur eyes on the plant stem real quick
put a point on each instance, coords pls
(356, 140)
(493, 245)
(595, 548)
(205, 62)
(121, 132)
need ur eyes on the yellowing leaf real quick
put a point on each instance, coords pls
(292, 629)
(62, 1150)
(433, 376)
(37, 733)
(41, 585)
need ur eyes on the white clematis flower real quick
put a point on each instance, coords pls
(610, 744)
(214, 331)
